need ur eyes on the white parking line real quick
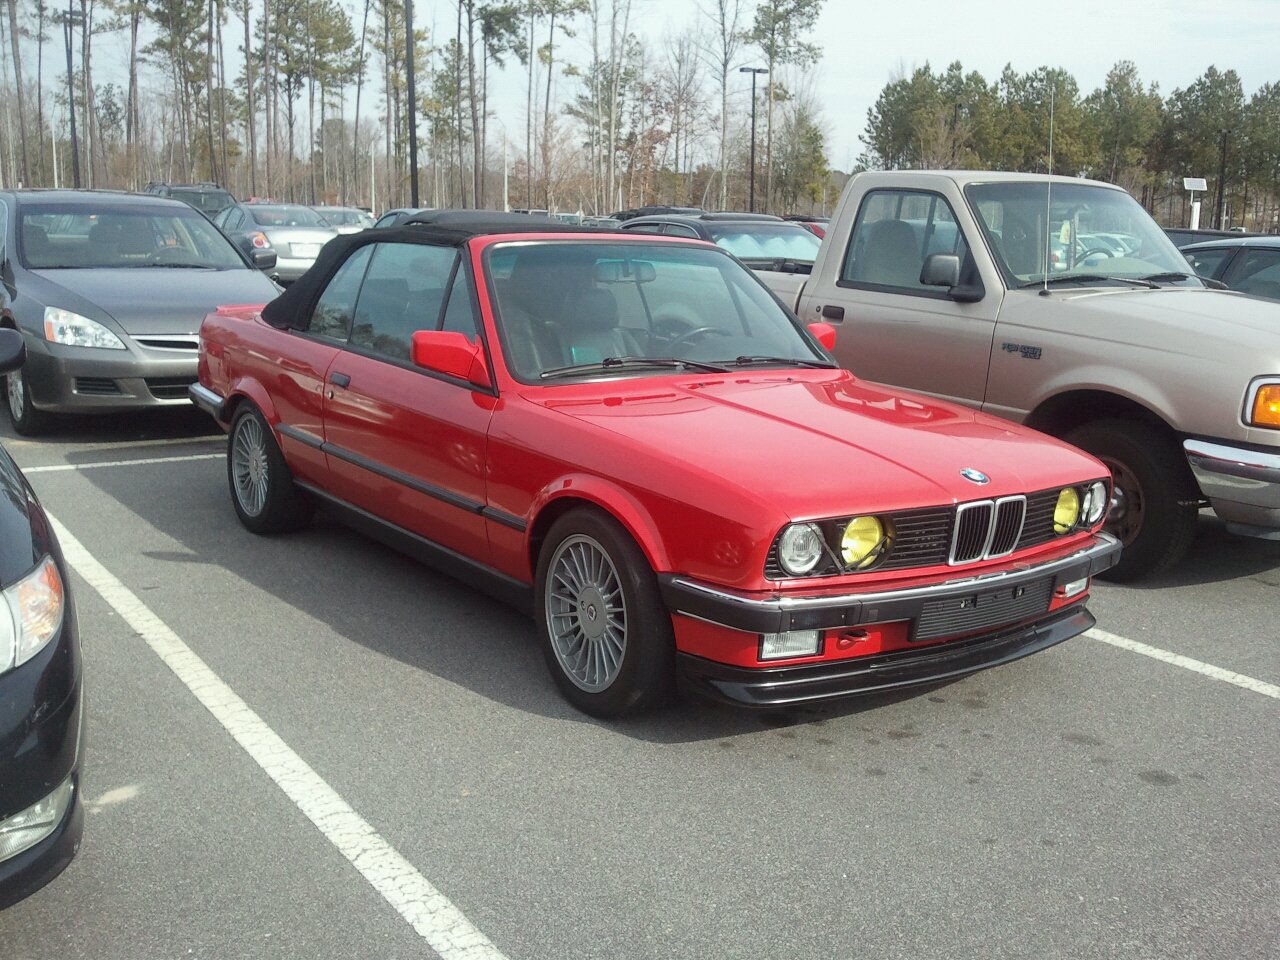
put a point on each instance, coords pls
(66, 467)
(425, 908)
(1187, 663)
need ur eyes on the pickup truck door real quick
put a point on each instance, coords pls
(892, 328)
(404, 443)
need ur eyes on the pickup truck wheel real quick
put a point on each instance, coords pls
(606, 634)
(1154, 503)
(262, 488)
(24, 416)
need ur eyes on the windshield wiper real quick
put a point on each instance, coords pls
(618, 363)
(797, 361)
(1167, 277)
(1088, 278)
(177, 266)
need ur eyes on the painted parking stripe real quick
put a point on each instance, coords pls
(425, 908)
(1187, 663)
(68, 467)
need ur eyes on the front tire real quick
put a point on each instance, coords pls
(262, 488)
(26, 419)
(606, 634)
(1155, 501)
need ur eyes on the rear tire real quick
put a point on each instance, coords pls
(606, 634)
(1155, 500)
(262, 488)
(26, 419)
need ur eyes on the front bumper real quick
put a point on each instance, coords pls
(83, 380)
(41, 740)
(988, 639)
(1242, 485)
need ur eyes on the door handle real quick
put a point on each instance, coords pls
(340, 379)
(832, 312)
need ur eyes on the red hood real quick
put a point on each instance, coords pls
(817, 443)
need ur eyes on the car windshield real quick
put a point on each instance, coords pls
(766, 241)
(105, 235)
(565, 308)
(208, 202)
(346, 218)
(1093, 233)
(286, 215)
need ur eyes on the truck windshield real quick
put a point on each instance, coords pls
(1091, 232)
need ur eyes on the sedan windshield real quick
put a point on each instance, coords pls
(342, 217)
(587, 308)
(766, 241)
(104, 236)
(286, 215)
(1093, 234)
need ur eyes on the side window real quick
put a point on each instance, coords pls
(403, 291)
(1206, 262)
(643, 227)
(1258, 274)
(459, 313)
(336, 306)
(680, 230)
(894, 233)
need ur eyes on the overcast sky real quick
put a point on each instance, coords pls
(865, 44)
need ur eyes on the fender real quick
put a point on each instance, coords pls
(253, 389)
(619, 503)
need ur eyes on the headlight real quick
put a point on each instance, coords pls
(1066, 514)
(63, 326)
(861, 541)
(800, 548)
(33, 608)
(1095, 502)
(1265, 409)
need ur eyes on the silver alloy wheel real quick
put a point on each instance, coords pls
(586, 613)
(249, 466)
(14, 390)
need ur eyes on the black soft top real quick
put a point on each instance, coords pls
(438, 227)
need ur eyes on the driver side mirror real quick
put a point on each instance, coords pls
(13, 352)
(453, 354)
(941, 270)
(824, 333)
(264, 259)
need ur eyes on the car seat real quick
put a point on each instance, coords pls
(891, 255)
(590, 328)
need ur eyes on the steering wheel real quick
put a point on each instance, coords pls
(689, 337)
(168, 255)
(1093, 251)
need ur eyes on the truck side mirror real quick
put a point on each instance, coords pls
(941, 270)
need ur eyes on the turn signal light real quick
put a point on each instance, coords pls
(1266, 406)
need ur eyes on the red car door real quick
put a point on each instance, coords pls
(405, 444)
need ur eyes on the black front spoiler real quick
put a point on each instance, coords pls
(771, 687)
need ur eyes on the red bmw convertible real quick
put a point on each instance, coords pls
(628, 437)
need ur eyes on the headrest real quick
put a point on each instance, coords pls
(592, 309)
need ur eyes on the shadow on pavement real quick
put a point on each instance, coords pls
(1217, 556)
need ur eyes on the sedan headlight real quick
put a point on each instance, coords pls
(1095, 502)
(1066, 513)
(799, 549)
(63, 326)
(30, 614)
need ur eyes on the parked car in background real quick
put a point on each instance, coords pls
(607, 222)
(628, 437)
(764, 243)
(393, 218)
(295, 232)
(108, 290)
(1184, 237)
(652, 210)
(41, 818)
(209, 198)
(1248, 264)
(345, 219)
(946, 282)
(815, 225)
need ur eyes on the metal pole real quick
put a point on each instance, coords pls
(1218, 212)
(71, 98)
(751, 205)
(413, 107)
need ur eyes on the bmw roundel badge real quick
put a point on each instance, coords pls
(975, 476)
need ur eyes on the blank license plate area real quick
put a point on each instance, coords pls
(982, 609)
(305, 249)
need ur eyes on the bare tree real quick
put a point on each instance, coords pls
(17, 75)
(721, 49)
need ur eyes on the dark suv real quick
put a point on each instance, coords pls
(209, 198)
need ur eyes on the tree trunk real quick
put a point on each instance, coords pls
(477, 166)
(355, 127)
(266, 90)
(546, 114)
(251, 123)
(528, 117)
(17, 74)
(132, 124)
(208, 96)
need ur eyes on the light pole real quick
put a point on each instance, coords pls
(1219, 213)
(754, 71)
(413, 106)
(69, 20)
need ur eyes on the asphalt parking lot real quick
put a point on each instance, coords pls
(310, 746)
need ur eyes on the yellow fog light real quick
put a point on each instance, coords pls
(1266, 406)
(861, 541)
(1066, 514)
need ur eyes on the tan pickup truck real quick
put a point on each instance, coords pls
(1059, 303)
